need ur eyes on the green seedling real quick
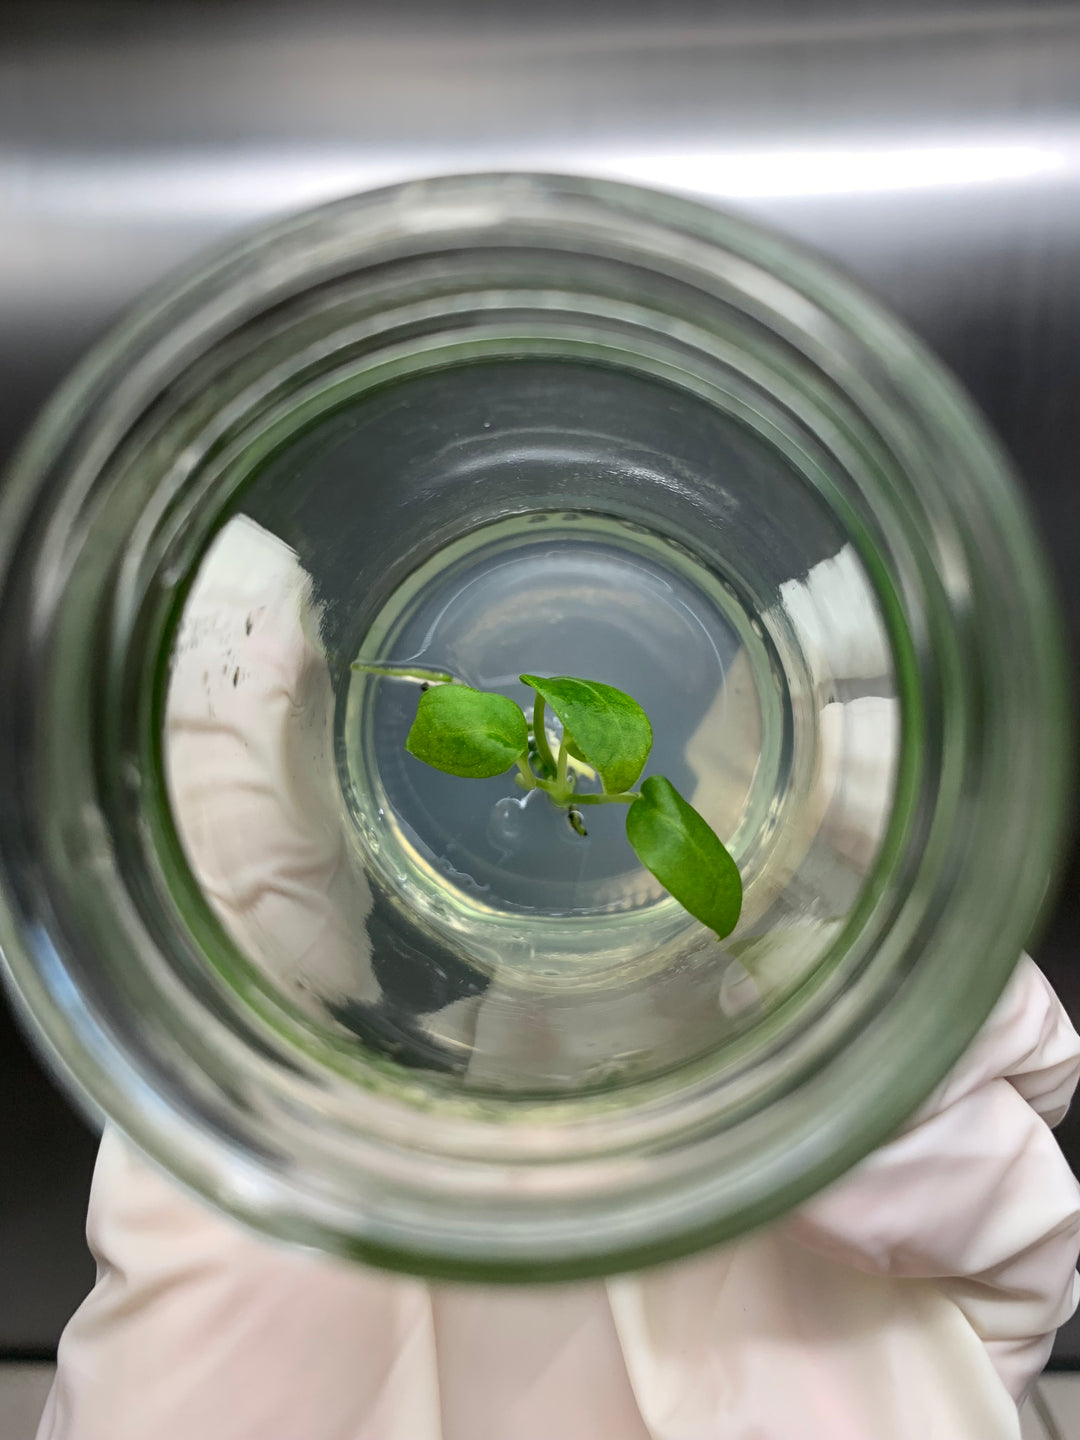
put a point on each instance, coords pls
(605, 741)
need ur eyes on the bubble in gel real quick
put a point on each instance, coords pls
(506, 827)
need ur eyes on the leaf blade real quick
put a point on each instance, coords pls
(610, 730)
(681, 849)
(466, 732)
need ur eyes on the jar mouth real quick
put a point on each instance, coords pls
(739, 404)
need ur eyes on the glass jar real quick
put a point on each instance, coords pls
(503, 423)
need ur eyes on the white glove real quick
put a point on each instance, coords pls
(916, 1298)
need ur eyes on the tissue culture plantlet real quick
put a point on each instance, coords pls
(606, 739)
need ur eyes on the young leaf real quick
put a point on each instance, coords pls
(672, 840)
(611, 732)
(467, 732)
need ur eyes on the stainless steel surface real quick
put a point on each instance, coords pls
(934, 153)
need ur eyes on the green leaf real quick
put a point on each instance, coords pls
(467, 732)
(611, 732)
(672, 840)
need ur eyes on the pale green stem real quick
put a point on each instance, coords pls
(528, 779)
(626, 798)
(543, 749)
(407, 672)
(563, 790)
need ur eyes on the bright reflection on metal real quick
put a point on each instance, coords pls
(845, 170)
(236, 184)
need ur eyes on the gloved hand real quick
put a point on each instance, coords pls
(916, 1298)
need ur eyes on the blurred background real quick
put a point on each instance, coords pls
(929, 147)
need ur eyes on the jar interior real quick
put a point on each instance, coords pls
(489, 518)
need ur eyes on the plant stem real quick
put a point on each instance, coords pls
(627, 797)
(561, 788)
(543, 749)
(406, 672)
(528, 779)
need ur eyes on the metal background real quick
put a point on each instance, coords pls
(934, 153)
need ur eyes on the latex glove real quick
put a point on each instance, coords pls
(975, 1194)
(917, 1297)
(815, 1328)
(197, 1328)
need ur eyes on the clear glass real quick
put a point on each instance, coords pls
(493, 424)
